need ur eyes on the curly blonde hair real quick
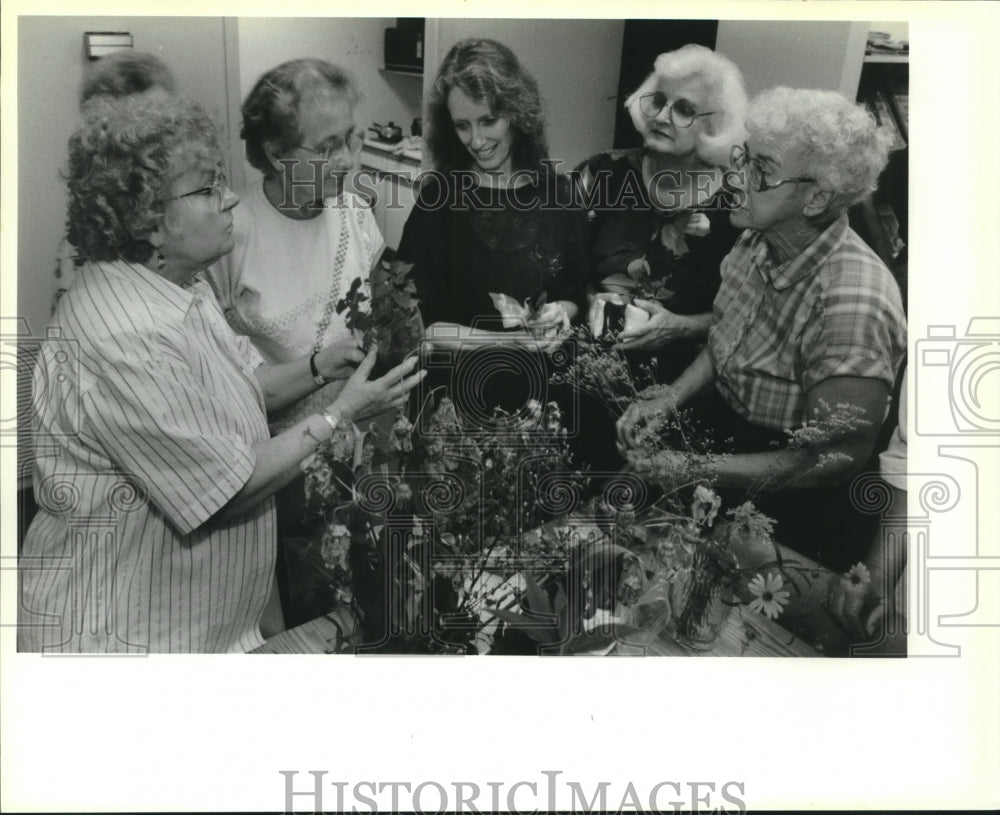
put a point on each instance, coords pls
(727, 97)
(123, 159)
(841, 145)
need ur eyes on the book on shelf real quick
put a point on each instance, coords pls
(901, 108)
(883, 115)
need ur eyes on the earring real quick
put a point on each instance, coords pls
(161, 260)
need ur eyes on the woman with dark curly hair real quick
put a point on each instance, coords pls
(494, 219)
(156, 528)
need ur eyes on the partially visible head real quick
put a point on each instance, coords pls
(297, 111)
(832, 139)
(488, 74)
(132, 162)
(124, 73)
(693, 71)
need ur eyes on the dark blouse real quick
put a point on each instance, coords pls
(465, 244)
(624, 226)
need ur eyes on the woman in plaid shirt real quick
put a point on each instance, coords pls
(808, 325)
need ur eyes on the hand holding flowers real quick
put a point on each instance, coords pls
(662, 327)
(361, 398)
(339, 360)
(655, 406)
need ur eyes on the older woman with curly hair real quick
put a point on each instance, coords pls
(156, 527)
(808, 325)
(659, 214)
(301, 237)
(494, 219)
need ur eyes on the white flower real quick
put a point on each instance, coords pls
(705, 506)
(335, 545)
(858, 574)
(768, 595)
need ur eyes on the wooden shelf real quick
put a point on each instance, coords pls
(402, 71)
(898, 59)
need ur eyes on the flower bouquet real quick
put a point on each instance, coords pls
(420, 553)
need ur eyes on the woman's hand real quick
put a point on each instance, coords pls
(663, 464)
(639, 413)
(361, 398)
(663, 327)
(859, 607)
(339, 360)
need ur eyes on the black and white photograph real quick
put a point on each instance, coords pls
(368, 345)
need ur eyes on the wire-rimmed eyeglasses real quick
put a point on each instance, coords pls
(217, 188)
(740, 158)
(336, 145)
(682, 112)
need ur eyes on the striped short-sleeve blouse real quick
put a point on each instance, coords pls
(152, 405)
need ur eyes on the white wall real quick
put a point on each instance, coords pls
(576, 65)
(353, 43)
(50, 63)
(796, 53)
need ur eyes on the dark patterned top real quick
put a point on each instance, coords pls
(683, 249)
(467, 243)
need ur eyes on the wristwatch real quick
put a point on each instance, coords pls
(318, 378)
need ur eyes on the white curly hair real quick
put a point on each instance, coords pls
(727, 97)
(841, 145)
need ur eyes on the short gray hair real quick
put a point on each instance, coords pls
(841, 145)
(271, 109)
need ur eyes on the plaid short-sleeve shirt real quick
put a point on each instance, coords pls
(834, 310)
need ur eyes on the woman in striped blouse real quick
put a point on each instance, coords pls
(155, 472)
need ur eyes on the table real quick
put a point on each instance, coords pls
(804, 629)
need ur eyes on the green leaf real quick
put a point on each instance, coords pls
(538, 600)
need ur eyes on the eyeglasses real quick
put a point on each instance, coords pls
(740, 158)
(335, 145)
(218, 189)
(682, 112)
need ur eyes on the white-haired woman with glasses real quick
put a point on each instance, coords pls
(301, 237)
(659, 214)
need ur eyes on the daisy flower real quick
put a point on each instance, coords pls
(858, 574)
(769, 596)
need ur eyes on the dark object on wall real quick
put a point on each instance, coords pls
(642, 42)
(101, 43)
(404, 45)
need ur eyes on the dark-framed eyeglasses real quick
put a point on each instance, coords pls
(740, 159)
(217, 188)
(682, 112)
(336, 145)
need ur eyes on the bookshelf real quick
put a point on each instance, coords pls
(884, 87)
